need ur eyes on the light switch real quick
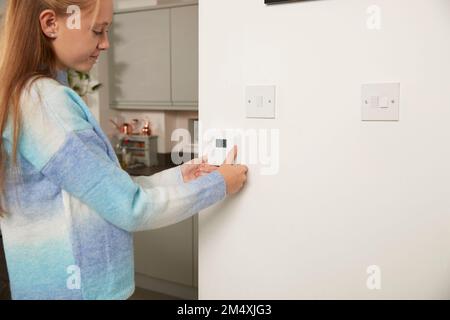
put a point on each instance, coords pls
(374, 101)
(384, 102)
(260, 101)
(380, 102)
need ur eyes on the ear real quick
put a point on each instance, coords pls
(49, 23)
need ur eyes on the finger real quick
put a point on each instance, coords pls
(189, 169)
(244, 168)
(231, 156)
(198, 161)
(205, 158)
(201, 173)
(209, 168)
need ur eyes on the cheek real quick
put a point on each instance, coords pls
(83, 50)
(74, 47)
(84, 42)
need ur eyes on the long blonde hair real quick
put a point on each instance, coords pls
(25, 53)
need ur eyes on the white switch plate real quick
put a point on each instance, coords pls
(260, 101)
(380, 102)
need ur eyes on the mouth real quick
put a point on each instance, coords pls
(95, 58)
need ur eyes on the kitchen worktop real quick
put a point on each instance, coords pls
(164, 163)
(147, 171)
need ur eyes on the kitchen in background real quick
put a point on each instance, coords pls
(150, 78)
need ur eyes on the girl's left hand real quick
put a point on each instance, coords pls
(196, 168)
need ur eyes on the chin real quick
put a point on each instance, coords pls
(85, 68)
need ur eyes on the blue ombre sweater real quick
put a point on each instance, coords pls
(72, 209)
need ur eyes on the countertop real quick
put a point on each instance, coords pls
(148, 171)
(164, 163)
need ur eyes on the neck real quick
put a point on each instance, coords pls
(61, 76)
(60, 66)
(61, 69)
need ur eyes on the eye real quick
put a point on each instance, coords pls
(97, 33)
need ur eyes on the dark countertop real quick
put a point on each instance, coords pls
(147, 171)
(164, 163)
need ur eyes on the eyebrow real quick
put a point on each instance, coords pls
(103, 24)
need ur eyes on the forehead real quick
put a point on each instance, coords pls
(102, 13)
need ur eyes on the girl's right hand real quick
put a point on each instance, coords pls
(235, 175)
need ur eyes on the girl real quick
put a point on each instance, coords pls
(68, 209)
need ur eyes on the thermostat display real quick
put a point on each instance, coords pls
(220, 147)
(221, 143)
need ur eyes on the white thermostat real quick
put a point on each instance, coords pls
(219, 149)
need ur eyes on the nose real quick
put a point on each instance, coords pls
(104, 43)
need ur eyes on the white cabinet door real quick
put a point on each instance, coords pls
(185, 55)
(166, 253)
(140, 59)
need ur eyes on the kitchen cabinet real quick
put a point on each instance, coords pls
(166, 258)
(153, 59)
(140, 59)
(166, 253)
(184, 31)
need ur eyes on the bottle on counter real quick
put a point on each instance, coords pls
(126, 158)
(146, 130)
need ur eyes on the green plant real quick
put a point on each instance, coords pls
(82, 83)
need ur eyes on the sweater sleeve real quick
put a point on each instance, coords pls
(60, 142)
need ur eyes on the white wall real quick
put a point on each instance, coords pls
(349, 194)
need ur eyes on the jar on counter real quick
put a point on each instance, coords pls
(126, 158)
